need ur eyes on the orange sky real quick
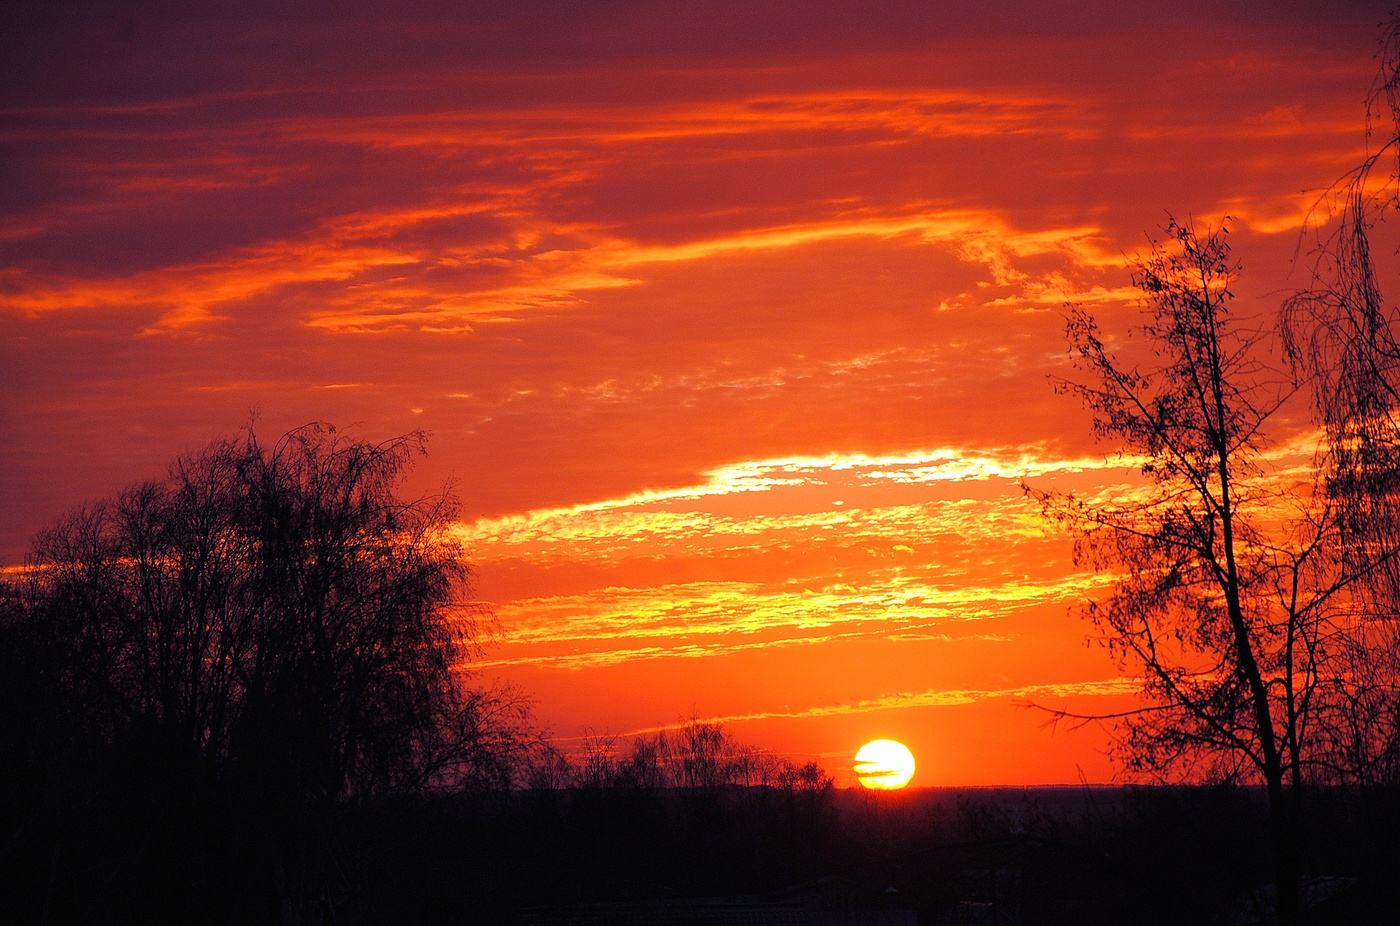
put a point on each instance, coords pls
(730, 328)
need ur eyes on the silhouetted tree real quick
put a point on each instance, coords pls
(1344, 340)
(260, 637)
(1229, 589)
(696, 756)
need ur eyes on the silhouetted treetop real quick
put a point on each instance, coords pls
(279, 605)
(256, 638)
(1232, 600)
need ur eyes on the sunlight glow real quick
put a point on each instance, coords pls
(884, 765)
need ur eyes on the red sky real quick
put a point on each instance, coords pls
(730, 323)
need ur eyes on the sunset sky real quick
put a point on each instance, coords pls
(730, 323)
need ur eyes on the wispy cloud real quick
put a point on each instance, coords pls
(674, 513)
(720, 618)
(1113, 687)
(732, 341)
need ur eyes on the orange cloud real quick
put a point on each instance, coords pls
(1113, 687)
(733, 341)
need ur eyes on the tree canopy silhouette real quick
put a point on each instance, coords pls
(250, 642)
(1231, 599)
(1343, 339)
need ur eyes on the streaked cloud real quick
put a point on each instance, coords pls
(670, 515)
(1113, 687)
(715, 618)
(733, 340)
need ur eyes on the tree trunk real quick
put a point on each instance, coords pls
(1283, 835)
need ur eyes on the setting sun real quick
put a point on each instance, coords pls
(731, 333)
(884, 765)
(532, 441)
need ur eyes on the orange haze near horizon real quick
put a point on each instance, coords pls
(730, 327)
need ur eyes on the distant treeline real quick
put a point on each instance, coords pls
(693, 755)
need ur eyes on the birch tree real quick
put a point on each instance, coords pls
(1227, 579)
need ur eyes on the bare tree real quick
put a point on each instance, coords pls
(272, 629)
(1343, 339)
(1228, 584)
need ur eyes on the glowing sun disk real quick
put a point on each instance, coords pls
(884, 765)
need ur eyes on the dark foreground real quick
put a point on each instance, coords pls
(1005, 856)
(733, 855)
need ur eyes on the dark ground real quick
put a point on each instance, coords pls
(1079, 856)
(1010, 856)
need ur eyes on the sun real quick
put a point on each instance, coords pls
(884, 765)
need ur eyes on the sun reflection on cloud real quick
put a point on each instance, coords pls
(913, 572)
(676, 516)
(1112, 687)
